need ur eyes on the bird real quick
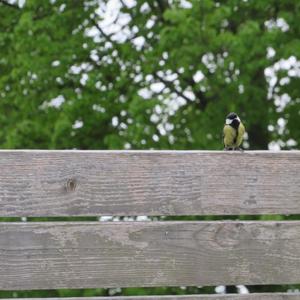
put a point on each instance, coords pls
(233, 132)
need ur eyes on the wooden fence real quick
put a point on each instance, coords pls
(80, 254)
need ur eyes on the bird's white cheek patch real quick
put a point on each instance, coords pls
(228, 121)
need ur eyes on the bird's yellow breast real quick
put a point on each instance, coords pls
(233, 138)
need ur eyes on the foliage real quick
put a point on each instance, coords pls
(163, 75)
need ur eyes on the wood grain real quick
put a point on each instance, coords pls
(139, 254)
(85, 183)
(259, 296)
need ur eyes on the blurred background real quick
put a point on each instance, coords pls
(153, 74)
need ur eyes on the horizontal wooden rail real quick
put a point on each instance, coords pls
(83, 183)
(51, 255)
(259, 296)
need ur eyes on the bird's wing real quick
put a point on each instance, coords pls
(223, 135)
(241, 129)
(241, 132)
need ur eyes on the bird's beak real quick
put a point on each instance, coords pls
(228, 121)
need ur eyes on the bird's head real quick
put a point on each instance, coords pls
(232, 118)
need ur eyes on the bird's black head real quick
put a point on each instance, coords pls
(232, 116)
(233, 120)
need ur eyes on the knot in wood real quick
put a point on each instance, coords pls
(71, 185)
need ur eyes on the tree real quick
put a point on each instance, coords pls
(147, 74)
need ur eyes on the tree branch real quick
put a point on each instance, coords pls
(123, 3)
(171, 86)
(107, 37)
(9, 4)
(163, 5)
(203, 101)
(157, 11)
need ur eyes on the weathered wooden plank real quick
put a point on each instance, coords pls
(256, 296)
(81, 183)
(123, 254)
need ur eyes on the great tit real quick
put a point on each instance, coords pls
(233, 132)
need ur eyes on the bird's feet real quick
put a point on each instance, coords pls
(233, 149)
